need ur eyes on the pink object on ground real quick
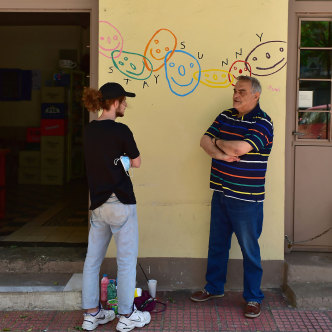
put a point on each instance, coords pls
(103, 288)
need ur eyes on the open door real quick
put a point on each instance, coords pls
(34, 210)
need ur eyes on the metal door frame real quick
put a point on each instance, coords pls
(297, 9)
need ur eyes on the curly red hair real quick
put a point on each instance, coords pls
(93, 100)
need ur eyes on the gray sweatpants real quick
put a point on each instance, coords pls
(119, 220)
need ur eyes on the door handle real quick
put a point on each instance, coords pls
(297, 133)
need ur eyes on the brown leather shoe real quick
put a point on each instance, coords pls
(204, 295)
(253, 309)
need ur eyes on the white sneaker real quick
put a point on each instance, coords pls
(136, 319)
(91, 322)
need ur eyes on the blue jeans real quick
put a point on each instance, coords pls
(119, 220)
(245, 219)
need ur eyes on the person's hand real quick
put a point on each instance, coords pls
(225, 157)
(230, 159)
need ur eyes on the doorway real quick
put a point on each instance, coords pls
(44, 66)
(309, 139)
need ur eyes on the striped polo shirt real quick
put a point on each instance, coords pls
(244, 179)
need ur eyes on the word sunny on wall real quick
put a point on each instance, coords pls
(182, 70)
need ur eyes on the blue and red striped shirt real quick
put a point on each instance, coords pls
(245, 179)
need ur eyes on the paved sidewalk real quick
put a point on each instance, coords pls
(182, 315)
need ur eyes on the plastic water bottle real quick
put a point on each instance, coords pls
(103, 288)
(111, 290)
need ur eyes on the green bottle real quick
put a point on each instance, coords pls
(111, 290)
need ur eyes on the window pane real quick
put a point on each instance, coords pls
(315, 64)
(314, 125)
(314, 95)
(316, 34)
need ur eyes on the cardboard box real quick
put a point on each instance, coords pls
(53, 144)
(53, 111)
(50, 159)
(29, 175)
(53, 94)
(29, 159)
(52, 176)
(53, 127)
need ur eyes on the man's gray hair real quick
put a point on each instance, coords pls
(255, 85)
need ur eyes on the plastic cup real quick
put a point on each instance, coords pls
(138, 292)
(152, 284)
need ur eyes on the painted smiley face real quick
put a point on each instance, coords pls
(215, 78)
(180, 72)
(110, 39)
(132, 64)
(162, 42)
(237, 69)
(268, 58)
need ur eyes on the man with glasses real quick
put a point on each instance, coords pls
(239, 142)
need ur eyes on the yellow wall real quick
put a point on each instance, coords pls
(33, 48)
(172, 185)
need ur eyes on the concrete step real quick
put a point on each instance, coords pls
(303, 267)
(308, 280)
(40, 291)
(42, 259)
(310, 295)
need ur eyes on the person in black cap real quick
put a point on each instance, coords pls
(113, 207)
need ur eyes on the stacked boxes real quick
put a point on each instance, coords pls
(53, 133)
(29, 167)
(29, 160)
(52, 159)
(52, 94)
(53, 111)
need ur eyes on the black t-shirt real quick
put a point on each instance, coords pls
(105, 141)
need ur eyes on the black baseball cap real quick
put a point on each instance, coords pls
(113, 90)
